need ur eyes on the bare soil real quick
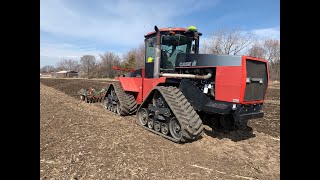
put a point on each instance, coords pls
(84, 141)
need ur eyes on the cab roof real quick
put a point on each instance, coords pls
(167, 30)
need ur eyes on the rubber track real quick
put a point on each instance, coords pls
(127, 105)
(191, 124)
(132, 103)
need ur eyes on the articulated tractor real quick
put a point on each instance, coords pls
(180, 90)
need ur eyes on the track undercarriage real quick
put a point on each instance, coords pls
(168, 113)
(118, 101)
(165, 111)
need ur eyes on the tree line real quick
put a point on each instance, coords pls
(90, 67)
(224, 41)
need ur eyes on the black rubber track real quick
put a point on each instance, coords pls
(128, 104)
(132, 104)
(191, 124)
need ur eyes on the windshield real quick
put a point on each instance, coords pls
(171, 47)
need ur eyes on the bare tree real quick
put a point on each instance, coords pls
(88, 63)
(272, 47)
(229, 42)
(129, 60)
(140, 56)
(136, 57)
(257, 50)
(47, 69)
(67, 64)
(269, 50)
(108, 60)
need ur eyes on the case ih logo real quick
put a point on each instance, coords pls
(194, 63)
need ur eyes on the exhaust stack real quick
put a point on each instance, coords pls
(156, 66)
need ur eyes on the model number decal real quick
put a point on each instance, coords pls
(194, 63)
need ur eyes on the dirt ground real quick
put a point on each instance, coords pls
(84, 141)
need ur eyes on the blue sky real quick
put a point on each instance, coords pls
(72, 28)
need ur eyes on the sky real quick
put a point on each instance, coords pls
(72, 28)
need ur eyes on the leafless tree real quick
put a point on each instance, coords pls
(105, 66)
(88, 63)
(269, 50)
(228, 42)
(136, 56)
(140, 56)
(47, 69)
(257, 51)
(67, 64)
(272, 47)
(129, 60)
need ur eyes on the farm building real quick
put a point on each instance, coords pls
(64, 74)
(46, 75)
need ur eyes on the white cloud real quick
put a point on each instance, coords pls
(273, 33)
(121, 22)
(109, 23)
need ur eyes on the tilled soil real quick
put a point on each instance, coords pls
(270, 124)
(84, 141)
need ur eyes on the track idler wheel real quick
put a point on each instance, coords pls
(142, 117)
(175, 128)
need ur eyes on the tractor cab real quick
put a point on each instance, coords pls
(172, 42)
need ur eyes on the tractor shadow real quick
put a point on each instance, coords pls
(238, 135)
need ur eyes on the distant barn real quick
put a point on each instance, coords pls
(66, 74)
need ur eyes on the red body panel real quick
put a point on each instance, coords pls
(231, 82)
(228, 83)
(149, 84)
(134, 84)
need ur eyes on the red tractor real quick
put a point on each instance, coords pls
(179, 89)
